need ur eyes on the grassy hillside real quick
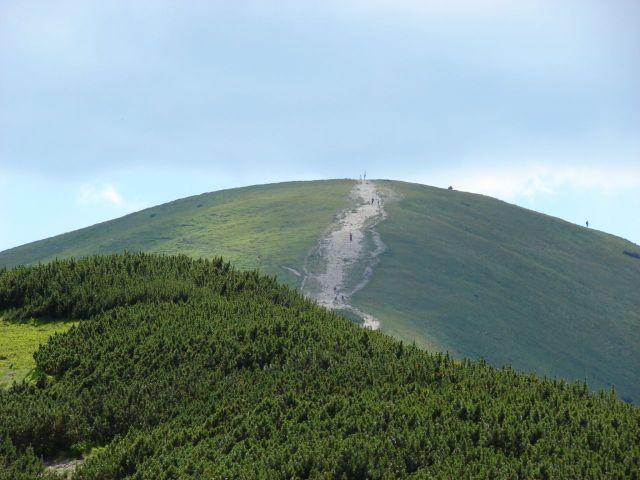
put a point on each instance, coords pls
(188, 369)
(483, 278)
(464, 273)
(265, 226)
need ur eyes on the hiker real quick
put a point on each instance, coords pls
(350, 237)
(587, 223)
(372, 201)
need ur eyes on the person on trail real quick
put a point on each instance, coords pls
(372, 201)
(350, 237)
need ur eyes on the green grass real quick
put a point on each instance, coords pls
(265, 227)
(18, 342)
(483, 278)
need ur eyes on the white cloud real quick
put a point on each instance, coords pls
(106, 194)
(511, 182)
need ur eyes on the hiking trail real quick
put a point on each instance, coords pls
(339, 266)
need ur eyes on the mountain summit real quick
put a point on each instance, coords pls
(449, 270)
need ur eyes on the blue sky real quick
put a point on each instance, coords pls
(109, 107)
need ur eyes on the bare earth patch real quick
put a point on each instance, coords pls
(329, 279)
(64, 467)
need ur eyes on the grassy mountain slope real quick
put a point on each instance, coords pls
(483, 278)
(188, 369)
(463, 272)
(265, 226)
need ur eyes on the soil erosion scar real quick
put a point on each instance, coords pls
(330, 280)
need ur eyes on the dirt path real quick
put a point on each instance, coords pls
(292, 270)
(344, 251)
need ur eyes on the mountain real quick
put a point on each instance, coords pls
(482, 278)
(182, 368)
(263, 226)
(459, 272)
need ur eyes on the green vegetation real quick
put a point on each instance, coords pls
(18, 342)
(463, 273)
(485, 279)
(189, 369)
(265, 226)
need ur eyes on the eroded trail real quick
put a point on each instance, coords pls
(344, 259)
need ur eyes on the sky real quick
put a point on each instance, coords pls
(110, 107)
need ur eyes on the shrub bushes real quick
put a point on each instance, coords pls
(189, 369)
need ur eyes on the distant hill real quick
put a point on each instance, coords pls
(483, 278)
(461, 272)
(264, 226)
(182, 368)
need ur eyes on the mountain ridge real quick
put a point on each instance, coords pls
(462, 272)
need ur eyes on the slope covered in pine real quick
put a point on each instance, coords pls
(461, 272)
(182, 368)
